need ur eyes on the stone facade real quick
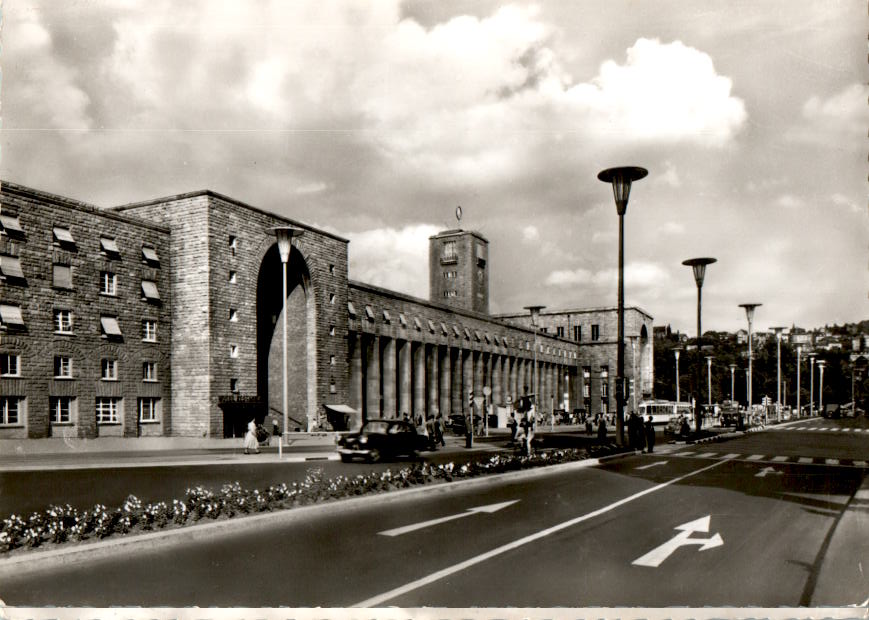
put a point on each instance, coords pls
(595, 331)
(66, 268)
(204, 272)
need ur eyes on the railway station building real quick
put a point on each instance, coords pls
(164, 318)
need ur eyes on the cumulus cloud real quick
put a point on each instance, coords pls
(669, 177)
(392, 258)
(637, 274)
(827, 120)
(672, 228)
(664, 92)
(789, 201)
(530, 234)
(843, 201)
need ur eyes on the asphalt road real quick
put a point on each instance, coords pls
(757, 516)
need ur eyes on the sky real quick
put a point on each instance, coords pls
(375, 119)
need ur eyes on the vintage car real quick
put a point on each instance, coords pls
(383, 438)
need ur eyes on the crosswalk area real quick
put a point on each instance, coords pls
(821, 429)
(767, 458)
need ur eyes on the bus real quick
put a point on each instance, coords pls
(662, 410)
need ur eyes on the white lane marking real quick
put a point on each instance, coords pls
(656, 556)
(377, 601)
(859, 463)
(806, 459)
(780, 459)
(651, 465)
(424, 524)
(732, 455)
(763, 473)
(832, 461)
(688, 453)
(706, 455)
(755, 457)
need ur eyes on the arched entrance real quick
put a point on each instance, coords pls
(301, 340)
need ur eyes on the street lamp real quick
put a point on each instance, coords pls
(749, 314)
(812, 387)
(778, 331)
(677, 351)
(621, 179)
(285, 236)
(821, 393)
(732, 382)
(799, 385)
(709, 377)
(535, 319)
(634, 371)
(698, 265)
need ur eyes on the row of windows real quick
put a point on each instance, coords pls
(502, 340)
(577, 332)
(10, 316)
(62, 410)
(62, 237)
(10, 366)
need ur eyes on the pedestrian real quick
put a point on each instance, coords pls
(514, 427)
(601, 430)
(589, 427)
(528, 427)
(439, 430)
(684, 429)
(634, 433)
(250, 441)
(650, 435)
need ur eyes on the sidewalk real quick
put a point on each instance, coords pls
(114, 452)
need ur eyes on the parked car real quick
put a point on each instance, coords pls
(456, 423)
(729, 417)
(379, 439)
(832, 411)
(674, 425)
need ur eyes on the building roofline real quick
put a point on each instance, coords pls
(57, 200)
(512, 315)
(223, 197)
(455, 232)
(460, 311)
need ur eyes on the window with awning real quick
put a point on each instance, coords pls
(10, 267)
(10, 316)
(149, 290)
(110, 326)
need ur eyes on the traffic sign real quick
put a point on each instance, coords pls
(487, 391)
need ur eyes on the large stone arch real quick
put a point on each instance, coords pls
(301, 339)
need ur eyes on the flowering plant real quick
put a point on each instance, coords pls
(59, 524)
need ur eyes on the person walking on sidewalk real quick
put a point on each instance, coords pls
(439, 430)
(601, 430)
(250, 441)
(650, 435)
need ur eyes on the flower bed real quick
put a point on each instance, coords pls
(61, 524)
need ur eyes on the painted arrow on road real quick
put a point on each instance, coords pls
(763, 473)
(650, 465)
(470, 511)
(656, 556)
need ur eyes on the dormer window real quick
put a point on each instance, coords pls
(63, 238)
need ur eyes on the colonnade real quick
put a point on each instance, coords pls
(391, 377)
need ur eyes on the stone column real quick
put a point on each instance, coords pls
(390, 402)
(372, 378)
(457, 399)
(418, 351)
(405, 405)
(432, 367)
(512, 370)
(497, 378)
(467, 377)
(356, 374)
(445, 374)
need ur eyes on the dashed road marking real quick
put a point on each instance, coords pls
(831, 461)
(780, 459)
(755, 457)
(805, 459)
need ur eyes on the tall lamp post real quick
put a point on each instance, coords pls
(778, 331)
(812, 386)
(732, 381)
(799, 385)
(535, 319)
(698, 266)
(285, 236)
(709, 359)
(749, 314)
(821, 392)
(677, 351)
(621, 179)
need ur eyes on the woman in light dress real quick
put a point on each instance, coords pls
(250, 441)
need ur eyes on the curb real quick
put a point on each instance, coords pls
(37, 560)
(170, 463)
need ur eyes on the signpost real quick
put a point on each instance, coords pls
(487, 392)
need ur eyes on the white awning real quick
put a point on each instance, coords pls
(10, 223)
(110, 326)
(341, 409)
(149, 290)
(351, 309)
(10, 266)
(369, 313)
(63, 235)
(150, 254)
(11, 315)
(109, 246)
